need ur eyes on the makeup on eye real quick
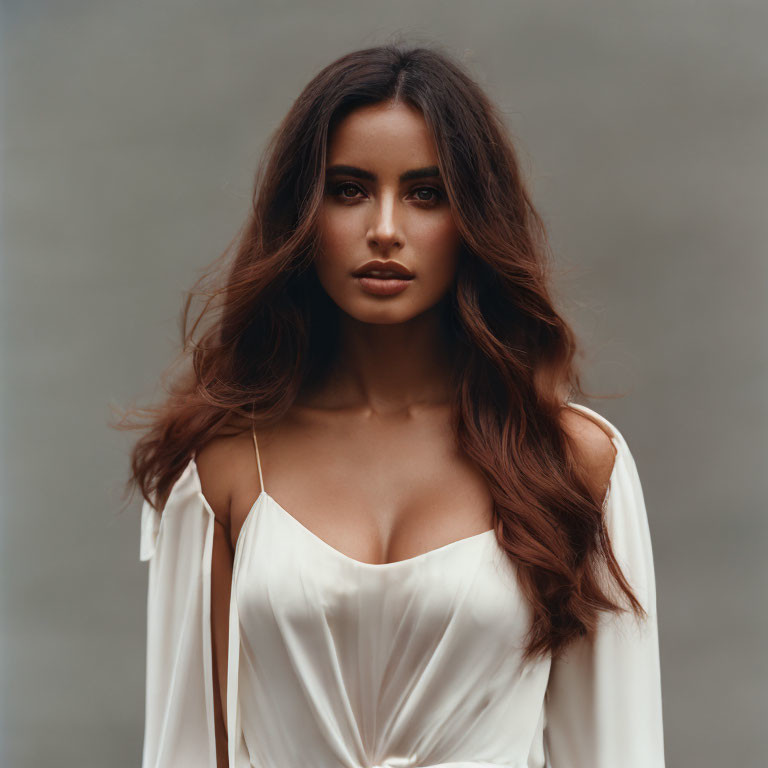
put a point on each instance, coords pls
(337, 188)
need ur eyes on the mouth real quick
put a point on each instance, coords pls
(383, 277)
(379, 274)
(383, 270)
(386, 284)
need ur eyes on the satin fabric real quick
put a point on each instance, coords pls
(337, 663)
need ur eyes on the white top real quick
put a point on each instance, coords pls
(337, 663)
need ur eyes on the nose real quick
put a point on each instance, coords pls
(385, 232)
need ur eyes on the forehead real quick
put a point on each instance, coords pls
(382, 135)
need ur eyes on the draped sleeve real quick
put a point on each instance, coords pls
(179, 727)
(603, 705)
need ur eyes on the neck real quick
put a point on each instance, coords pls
(387, 368)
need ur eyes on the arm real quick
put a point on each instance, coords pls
(179, 727)
(221, 582)
(211, 466)
(603, 704)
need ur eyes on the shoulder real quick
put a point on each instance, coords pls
(219, 463)
(594, 448)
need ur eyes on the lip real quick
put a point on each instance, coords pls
(388, 269)
(379, 286)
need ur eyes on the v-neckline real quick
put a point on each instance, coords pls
(312, 536)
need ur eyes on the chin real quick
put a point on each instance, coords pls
(383, 317)
(386, 313)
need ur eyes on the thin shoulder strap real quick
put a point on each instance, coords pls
(258, 458)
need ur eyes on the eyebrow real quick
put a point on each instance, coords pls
(428, 172)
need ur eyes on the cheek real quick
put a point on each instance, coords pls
(337, 232)
(437, 241)
(438, 229)
(335, 252)
(433, 241)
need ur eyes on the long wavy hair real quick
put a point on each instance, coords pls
(267, 331)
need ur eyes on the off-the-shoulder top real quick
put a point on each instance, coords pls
(337, 663)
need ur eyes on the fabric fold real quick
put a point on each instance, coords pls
(603, 700)
(179, 724)
(331, 661)
(237, 751)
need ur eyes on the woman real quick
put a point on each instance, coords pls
(379, 532)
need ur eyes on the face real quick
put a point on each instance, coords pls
(385, 201)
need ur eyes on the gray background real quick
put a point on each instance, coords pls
(130, 134)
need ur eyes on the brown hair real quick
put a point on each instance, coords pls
(271, 330)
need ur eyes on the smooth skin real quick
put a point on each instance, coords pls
(369, 464)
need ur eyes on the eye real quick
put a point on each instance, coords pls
(339, 190)
(348, 190)
(435, 195)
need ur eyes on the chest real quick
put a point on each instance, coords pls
(381, 498)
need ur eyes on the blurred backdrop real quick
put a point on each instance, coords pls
(130, 135)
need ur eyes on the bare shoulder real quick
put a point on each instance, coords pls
(219, 463)
(594, 447)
